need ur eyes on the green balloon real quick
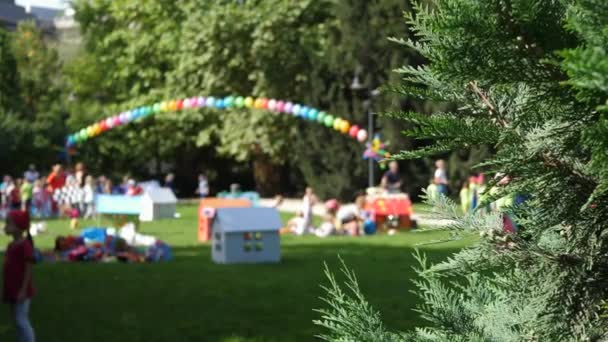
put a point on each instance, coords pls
(156, 108)
(329, 121)
(239, 102)
(321, 117)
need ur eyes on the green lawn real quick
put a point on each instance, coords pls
(192, 299)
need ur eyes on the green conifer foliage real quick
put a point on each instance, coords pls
(529, 78)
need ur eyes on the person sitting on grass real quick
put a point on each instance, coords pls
(353, 216)
(330, 221)
(18, 289)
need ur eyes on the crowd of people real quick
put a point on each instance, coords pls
(62, 192)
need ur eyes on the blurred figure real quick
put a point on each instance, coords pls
(441, 177)
(465, 197)
(89, 197)
(80, 174)
(308, 202)
(56, 179)
(203, 186)
(391, 180)
(41, 200)
(170, 182)
(133, 189)
(14, 194)
(100, 185)
(31, 175)
(26, 190)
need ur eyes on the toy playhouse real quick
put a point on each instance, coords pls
(206, 211)
(120, 208)
(246, 235)
(154, 204)
(391, 211)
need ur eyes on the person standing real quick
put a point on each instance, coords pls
(31, 175)
(441, 177)
(26, 191)
(56, 180)
(308, 202)
(203, 186)
(17, 289)
(80, 174)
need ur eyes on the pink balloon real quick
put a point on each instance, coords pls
(280, 106)
(362, 135)
(123, 117)
(116, 121)
(353, 131)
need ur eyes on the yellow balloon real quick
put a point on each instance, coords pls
(90, 131)
(96, 129)
(249, 101)
(164, 106)
(337, 124)
(258, 104)
(173, 105)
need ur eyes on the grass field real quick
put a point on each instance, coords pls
(192, 299)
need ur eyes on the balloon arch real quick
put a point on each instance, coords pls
(375, 148)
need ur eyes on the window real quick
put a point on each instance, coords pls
(247, 236)
(247, 247)
(218, 247)
(259, 247)
(218, 237)
(258, 236)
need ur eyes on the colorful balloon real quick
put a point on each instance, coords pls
(179, 104)
(280, 106)
(295, 110)
(354, 129)
(337, 124)
(362, 135)
(249, 101)
(304, 112)
(345, 127)
(288, 108)
(329, 121)
(219, 104)
(272, 104)
(239, 102)
(312, 114)
(210, 102)
(321, 117)
(264, 103)
(229, 102)
(201, 102)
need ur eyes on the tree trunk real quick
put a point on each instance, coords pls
(267, 175)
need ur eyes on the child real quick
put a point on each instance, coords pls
(432, 191)
(441, 177)
(89, 197)
(18, 290)
(203, 186)
(14, 195)
(308, 202)
(330, 221)
(26, 195)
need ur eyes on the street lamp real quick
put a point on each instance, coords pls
(368, 96)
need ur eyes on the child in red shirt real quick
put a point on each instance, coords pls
(18, 290)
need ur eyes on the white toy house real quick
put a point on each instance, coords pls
(246, 235)
(157, 203)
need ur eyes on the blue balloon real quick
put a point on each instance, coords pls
(219, 104)
(312, 114)
(229, 102)
(304, 112)
(369, 227)
(210, 102)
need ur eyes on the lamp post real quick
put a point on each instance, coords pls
(367, 96)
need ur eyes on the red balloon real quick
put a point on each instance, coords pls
(353, 131)
(103, 125)
(179, 104)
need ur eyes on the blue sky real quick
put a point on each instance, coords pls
(44, 3)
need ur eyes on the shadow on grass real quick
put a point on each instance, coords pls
(193, 299)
